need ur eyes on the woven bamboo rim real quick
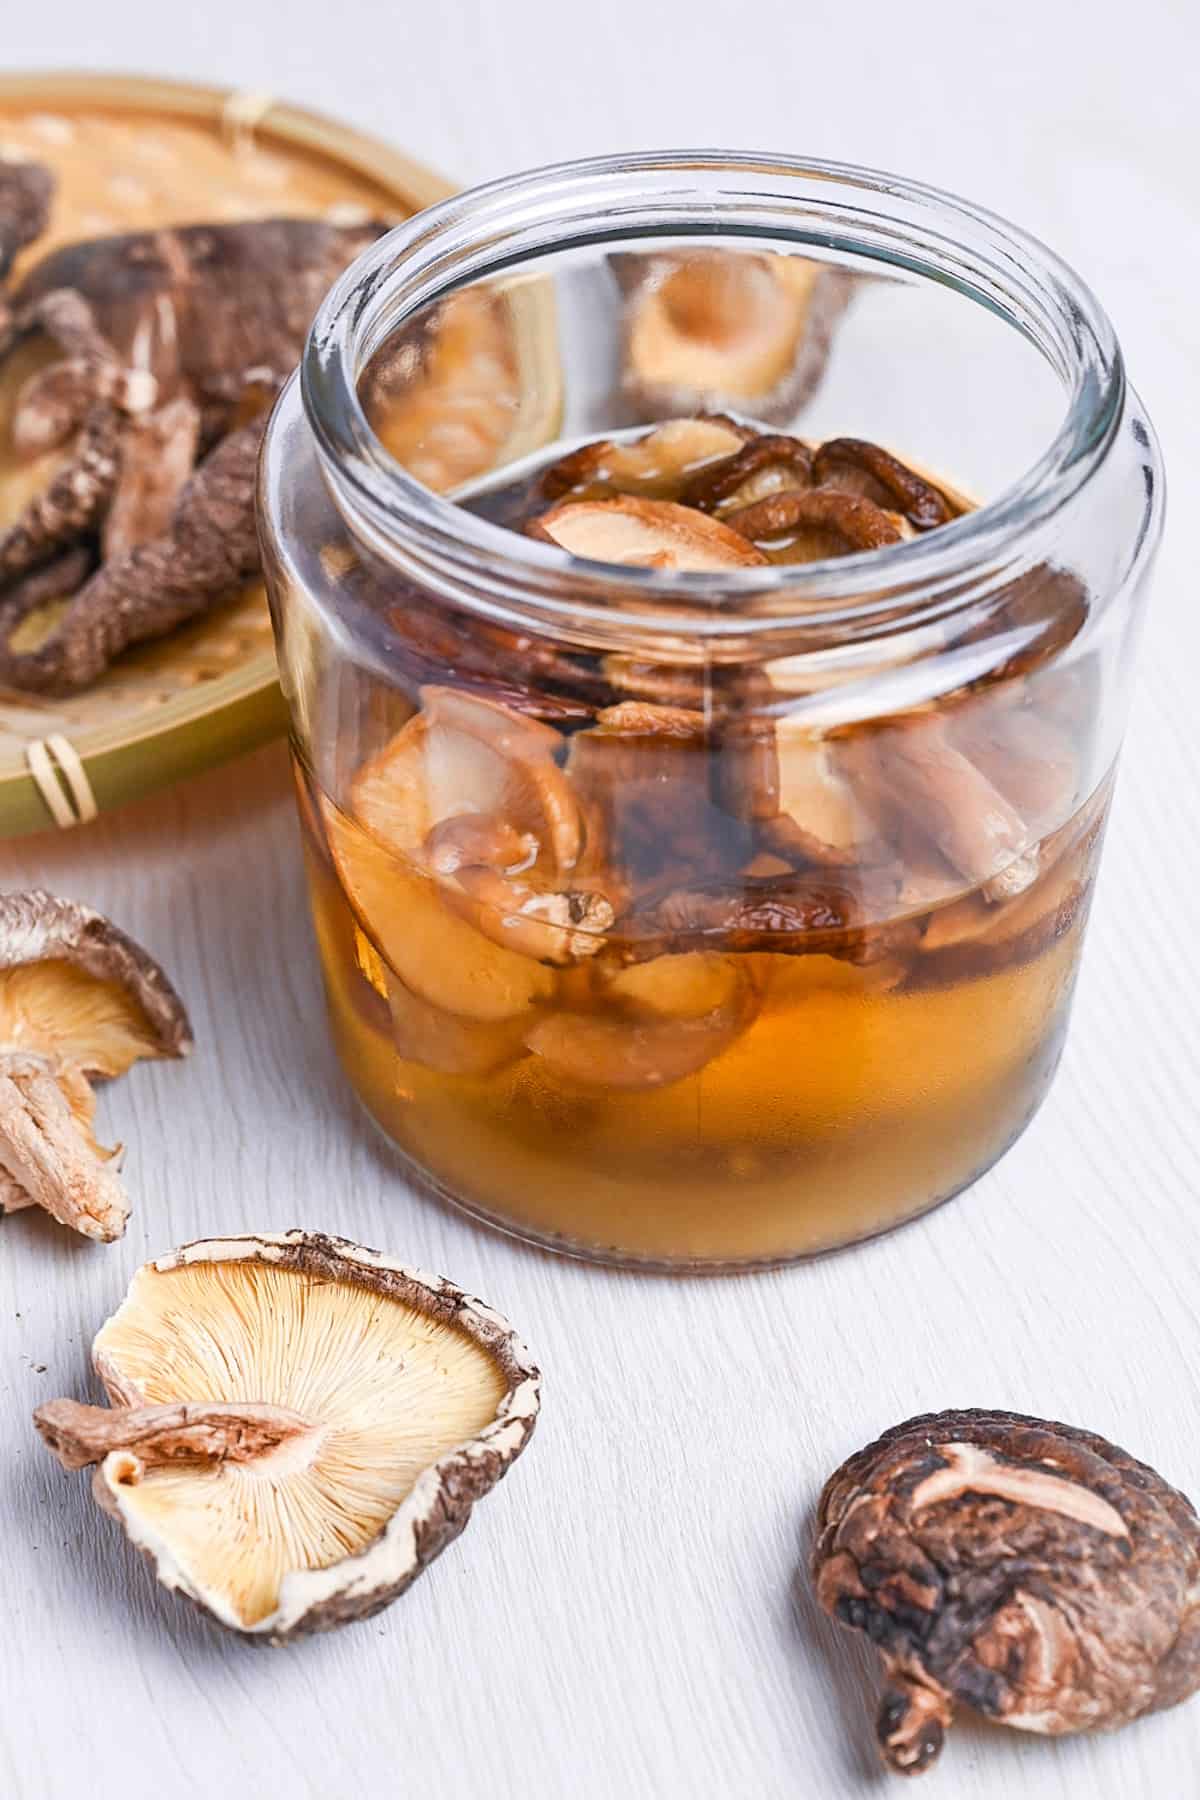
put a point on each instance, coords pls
(210, 691)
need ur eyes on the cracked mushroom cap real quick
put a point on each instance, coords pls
(298, 1425)
(73, 984)
(78, 1001)
(1026, 1569)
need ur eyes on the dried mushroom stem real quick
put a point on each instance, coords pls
(78, 999)
(911, 1724)
(157, 458)
(209, 549)
(968, 819)
(187, 1431)
(67, 508)
(45, 1151)
(55, 400)
(13, 1197)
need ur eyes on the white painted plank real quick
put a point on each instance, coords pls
(627, 1615)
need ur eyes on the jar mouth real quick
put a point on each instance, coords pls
(826, 206)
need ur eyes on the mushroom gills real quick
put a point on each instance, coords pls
(386, 1390)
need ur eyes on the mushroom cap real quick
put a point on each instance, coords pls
(1024, 1568)
(420, 1396)
(38, 928)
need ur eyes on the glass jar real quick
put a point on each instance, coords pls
(718, 917)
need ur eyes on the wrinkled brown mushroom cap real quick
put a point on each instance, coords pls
(1021, 1567)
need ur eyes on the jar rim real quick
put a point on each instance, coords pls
(515, 219)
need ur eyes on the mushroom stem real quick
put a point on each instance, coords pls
(45, 1151)
(187, 1431)
(962, 813)
(911, 1723)
(13, 1197)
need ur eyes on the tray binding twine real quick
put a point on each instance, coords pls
(61, 779)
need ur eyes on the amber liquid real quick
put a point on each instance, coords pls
(840, 1100)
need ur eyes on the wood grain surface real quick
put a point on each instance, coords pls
(628, 1615)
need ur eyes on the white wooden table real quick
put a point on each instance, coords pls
(627, 1615)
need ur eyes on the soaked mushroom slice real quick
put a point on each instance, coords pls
(966, 818)
(78, 1001)
(975, 935)
(485, 758)
(1028, 758)
(1026, 1569)
(644, 774)
(446, 1041)
(736, 480)
(711, 329)
(437, 955)
(1040, 614)
(557, 928)
(821, 816)
(470, 794)
(647, 534)
(298, 1426)
(816, 523)
(654, 466)
(821, 912)
(854, 466)
(661, 1021)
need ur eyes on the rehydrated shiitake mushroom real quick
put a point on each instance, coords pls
(468, 858)
(644, 534)
(656, 465)
(1026, 1569)
(714, 328)
(298, 1426)
(78, 1001)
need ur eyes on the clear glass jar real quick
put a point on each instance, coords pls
(704, 919)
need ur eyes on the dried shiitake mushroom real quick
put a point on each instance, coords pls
(78, 1001)
(136, 372)
(1023, 1568)
(298, 1425)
